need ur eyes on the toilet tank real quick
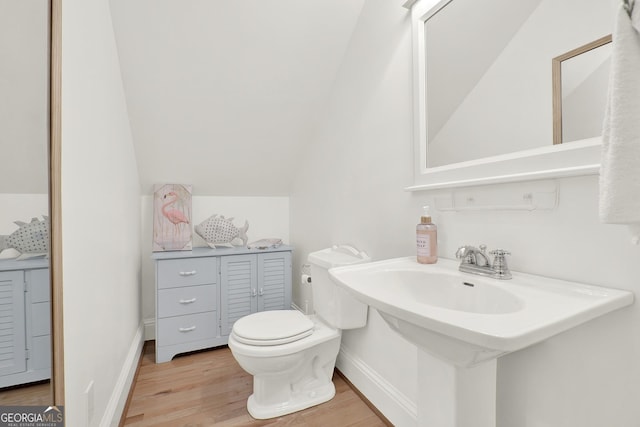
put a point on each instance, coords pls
(333, 304)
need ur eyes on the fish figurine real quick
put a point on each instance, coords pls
(218, 230)
(30, 239)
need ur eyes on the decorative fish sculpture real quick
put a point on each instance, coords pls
(218, 230)
(30, 239)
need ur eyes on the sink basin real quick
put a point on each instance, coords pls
(451, 292)
(466, 319)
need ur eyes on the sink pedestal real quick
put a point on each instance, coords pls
(453, 396)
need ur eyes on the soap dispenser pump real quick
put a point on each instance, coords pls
(426, 239)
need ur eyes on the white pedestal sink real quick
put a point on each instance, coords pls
(462, 323)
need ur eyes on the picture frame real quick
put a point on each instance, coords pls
(172, 209)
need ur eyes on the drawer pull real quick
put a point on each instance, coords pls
(188, 273)
(189, 329)
(187, 301)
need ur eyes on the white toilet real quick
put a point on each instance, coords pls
(291, 355)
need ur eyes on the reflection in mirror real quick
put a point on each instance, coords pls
(580, 80)
(488, 86)
(25, 312)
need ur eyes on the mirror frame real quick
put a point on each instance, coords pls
(556, 71)
(550, 161)
(55, 198)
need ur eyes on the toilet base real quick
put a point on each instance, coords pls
(290, 377)
(297, 402)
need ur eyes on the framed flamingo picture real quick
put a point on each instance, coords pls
(171, 217)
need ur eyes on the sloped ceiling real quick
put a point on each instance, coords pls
(223, 94)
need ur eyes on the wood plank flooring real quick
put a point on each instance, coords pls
(28, 395)
(210, 389)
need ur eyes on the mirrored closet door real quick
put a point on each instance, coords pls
(25, 137)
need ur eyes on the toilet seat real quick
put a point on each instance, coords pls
(270, 328)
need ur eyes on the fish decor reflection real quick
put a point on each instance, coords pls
(31, 239)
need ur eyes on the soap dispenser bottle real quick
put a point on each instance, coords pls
(427, 239)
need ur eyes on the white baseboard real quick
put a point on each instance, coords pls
(393, 404)
(149, 329)
(118, 399)
(296, 307)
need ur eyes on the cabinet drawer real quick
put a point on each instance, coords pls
(183, 329)
(173, 273)
(187, 300)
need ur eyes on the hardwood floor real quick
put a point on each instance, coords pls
(28, 395)
(210, 389)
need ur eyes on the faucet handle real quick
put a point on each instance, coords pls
(463, 251)
(499, 252)
(499, 265)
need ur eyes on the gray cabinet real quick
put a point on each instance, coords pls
(240, 275)
(274, 273)
(13, 347)
(25, 331)
(201, 293)
(254, 282)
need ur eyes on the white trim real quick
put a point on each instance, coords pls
(408, 4)
(551, 161)
(515, 177)
(118, 400)
(395, 406)
(295, 306)
(149, 329)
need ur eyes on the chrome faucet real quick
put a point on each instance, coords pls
(476, 261)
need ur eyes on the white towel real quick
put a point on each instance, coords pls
(620, 163)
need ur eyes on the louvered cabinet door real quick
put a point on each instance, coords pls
(274, 281)
(12, 324)
(239, 289)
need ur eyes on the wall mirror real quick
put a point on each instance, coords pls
(30, 296)
(580, 80)
(483, 89)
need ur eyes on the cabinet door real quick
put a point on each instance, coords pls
(274, 281)
(12, 323)
(39, 322)
(239, 289)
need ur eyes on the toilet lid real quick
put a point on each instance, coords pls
(272, 327)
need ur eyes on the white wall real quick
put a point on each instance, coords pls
(267, 217)
(583, 108)
(24, 105)
(352, 191)
(222, 93)
(101, 219)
